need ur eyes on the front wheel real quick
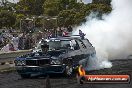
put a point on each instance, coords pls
(25, 75)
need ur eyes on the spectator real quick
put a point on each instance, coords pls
(15, 42)
(20, 42)
(11, 47)
(81, 34)
(1, 41)
(26, 42)
(8, 47)
(65, 33)
(69, 29)
(39, 36)
(59, 32)
(50, 35)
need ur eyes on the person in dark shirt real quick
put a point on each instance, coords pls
(81, 34)
(45, 48)
(69, 29)
(44, 52)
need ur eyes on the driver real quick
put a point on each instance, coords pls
(45, 49)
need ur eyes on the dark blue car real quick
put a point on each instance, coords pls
(63, 57)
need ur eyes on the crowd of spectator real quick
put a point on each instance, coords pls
(11, 40)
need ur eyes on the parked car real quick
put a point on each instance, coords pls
(63, 56)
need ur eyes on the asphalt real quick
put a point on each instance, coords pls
(13, 80)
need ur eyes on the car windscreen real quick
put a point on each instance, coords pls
(59, 44)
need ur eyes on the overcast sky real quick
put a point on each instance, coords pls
(85, 1)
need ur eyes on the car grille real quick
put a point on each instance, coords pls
(37, 62)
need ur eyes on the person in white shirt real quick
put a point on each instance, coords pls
(15, 42)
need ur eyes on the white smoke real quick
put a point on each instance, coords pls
(111, 36)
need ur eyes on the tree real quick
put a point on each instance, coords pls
(30, 7)
(67, 12)
(18, 18)
(3, 2)
(102, 1)
(68, 16)
(100, 8)
(6, 5)
(51, 7)
(7, 19)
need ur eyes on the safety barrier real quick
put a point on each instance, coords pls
(7, 58)
(13, 54)
(7, 62)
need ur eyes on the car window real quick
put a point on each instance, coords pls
(87, 43)
(75, 45)
(81, 44)
(60, 44)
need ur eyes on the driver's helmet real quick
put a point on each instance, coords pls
(45, 48)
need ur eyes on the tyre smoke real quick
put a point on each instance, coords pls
(111, 36)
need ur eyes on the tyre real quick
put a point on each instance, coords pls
(25, 75)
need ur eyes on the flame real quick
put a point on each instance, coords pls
(81, 71)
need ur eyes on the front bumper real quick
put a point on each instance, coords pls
(40, 69)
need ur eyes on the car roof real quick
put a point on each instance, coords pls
(75, 37)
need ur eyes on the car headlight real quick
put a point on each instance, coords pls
(55, 61)
(23, 62)
(20, 62)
